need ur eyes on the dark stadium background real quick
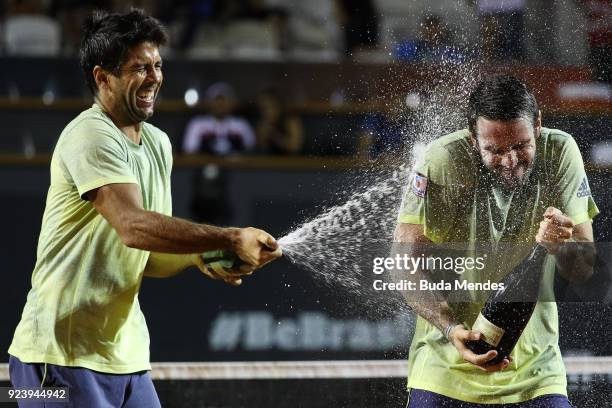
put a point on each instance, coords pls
(195, 319)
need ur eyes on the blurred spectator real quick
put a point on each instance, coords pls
(278, 132)
(219, 132)
(502, 24)
(384, 132)
(359, 21)
(599, 20)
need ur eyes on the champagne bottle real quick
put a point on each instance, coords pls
(220, 259)
(507, 311)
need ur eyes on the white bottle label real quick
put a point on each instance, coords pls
(491, 333)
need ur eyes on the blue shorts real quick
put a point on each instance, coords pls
(427, 399)
(87, 388)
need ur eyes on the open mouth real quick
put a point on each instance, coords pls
(146, 97)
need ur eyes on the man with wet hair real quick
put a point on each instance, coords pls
(107, 224)
(505, 179)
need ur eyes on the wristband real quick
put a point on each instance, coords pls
(448, 329)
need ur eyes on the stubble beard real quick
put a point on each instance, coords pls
(513, 182)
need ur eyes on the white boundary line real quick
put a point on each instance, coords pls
(320, 369)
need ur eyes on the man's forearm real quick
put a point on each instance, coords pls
(430, 305)
(152, 231)
(435, 312)
(162, 265)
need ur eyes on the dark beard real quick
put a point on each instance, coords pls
(514, 183)
(493, 178)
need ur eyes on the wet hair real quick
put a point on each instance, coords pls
(501, 97)
(108, 37)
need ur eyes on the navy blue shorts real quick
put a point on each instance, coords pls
(87, 388)
(427, 399)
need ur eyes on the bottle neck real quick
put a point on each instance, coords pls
(523, 283)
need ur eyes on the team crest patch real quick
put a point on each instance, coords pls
(584, 190)
(419, 185)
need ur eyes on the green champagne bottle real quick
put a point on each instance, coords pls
(220, 259)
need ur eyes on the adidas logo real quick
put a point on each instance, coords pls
(584, 190)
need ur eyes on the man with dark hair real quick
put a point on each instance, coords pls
(108, 223)
(505, 179)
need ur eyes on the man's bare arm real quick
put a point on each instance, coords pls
(432, 306)
(121, 205)
(160, 265)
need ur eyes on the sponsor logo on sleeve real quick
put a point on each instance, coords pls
(419, 185)
(584, 190)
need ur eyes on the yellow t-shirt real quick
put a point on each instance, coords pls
(82, 309)
(457, 203)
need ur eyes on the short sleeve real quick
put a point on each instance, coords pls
(94, 156)
(167, 152)
(572, 191)
(431, 197)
